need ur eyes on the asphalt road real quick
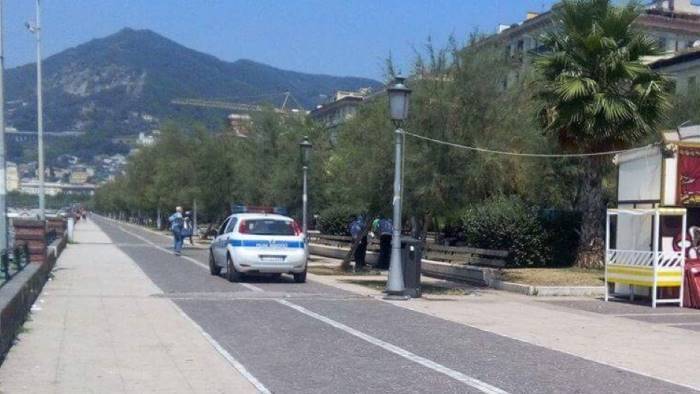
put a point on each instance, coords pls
(312, 338)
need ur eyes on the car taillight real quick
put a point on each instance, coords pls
(297, 229)
(243, 227)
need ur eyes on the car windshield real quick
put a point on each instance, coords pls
(267, 227)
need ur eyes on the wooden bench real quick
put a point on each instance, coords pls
(449, 254)
(331, 240)
(466, 255)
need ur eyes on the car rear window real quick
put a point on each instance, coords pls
(266, 227)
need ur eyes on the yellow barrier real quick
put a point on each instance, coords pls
(644, 276)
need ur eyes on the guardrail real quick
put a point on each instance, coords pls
(12, 265)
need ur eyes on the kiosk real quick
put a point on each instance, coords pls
(654, 268)
(655, 231)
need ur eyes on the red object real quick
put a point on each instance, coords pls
(243, 227)
(678, 244)
(297, 229)
(688, 175)
(691, 287)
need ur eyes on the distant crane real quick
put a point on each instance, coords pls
(241, 107)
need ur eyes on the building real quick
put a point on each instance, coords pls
(145, 140)
(675, 24)
(11, 176)
(683, 68)
(342, 107)
(78, 175)
(31, 186)
(240, 124)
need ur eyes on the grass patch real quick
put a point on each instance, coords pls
(554, 276)
(379, 285)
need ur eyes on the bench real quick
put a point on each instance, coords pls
(449, 254)
(331, 240)
(466, 255)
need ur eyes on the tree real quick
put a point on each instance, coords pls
(598, 95)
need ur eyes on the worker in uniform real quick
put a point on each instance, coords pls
(357, 228)
(385, 230)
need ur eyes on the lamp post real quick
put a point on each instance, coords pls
(398, 108)
(36, 30)
(305, 146)
(3, 185)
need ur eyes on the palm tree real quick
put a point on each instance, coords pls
(598, 95)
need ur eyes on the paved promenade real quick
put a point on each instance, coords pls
(102, 326)
(124, 315)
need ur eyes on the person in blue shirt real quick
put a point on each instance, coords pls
(385, 230)
(177, 222)
(357, 228)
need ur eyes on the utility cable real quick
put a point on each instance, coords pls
(540, 155)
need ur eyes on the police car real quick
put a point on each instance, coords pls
(264, 243)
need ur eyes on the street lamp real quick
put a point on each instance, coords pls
(3, 185)
(36, 30)
(398, 109)
(305, 146)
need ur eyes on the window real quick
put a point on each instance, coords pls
(231, 225)
(223, 226)
(267, 227)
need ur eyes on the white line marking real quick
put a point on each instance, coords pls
(251, 287)
(468, 380)
(224, 353)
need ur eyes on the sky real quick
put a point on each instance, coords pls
(337, 37)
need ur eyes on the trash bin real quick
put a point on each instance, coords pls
(411, 256)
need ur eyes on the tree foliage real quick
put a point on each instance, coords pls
(597, 95)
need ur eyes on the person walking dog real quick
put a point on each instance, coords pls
(176, 226)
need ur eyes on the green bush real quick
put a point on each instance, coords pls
(507, 223)
(335, 220)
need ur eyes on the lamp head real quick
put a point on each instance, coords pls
(305, 146)
(398, 100)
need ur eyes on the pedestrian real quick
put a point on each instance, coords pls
(357, 228)
(386, 228)
(176, 226)
(187, 229)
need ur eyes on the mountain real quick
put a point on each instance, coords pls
(124, 83)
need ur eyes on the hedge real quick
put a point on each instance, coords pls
(507, 223)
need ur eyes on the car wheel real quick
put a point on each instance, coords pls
(213, 268)
(300, 277)
(231, 274)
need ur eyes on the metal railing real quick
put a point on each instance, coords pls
(637, 258)
(12, 264)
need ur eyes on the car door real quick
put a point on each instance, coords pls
(219, 244)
